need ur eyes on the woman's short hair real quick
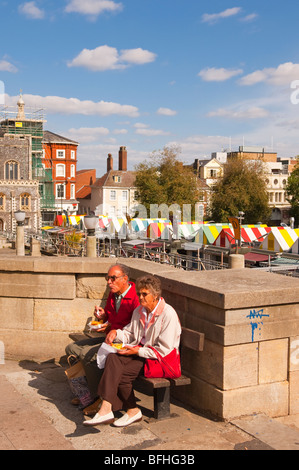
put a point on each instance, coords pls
(152, 283)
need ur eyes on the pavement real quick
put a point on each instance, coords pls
(36, 414)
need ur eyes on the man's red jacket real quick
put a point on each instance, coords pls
(123, 316)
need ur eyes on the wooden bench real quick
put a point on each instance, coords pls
(161, 387)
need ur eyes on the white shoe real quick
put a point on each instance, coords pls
(125, 420)
(106, 419)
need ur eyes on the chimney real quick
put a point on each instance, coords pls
(109, 162)
(122, 161)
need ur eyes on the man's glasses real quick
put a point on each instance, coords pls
(143, 294)
(112, 278)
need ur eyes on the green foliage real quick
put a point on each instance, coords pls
(242, 188)
(165, 180)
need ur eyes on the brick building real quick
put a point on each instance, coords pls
(60, 156)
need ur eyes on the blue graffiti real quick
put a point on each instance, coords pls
(256, 314)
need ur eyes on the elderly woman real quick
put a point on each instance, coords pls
(154, 324)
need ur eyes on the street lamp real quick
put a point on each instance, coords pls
(20, 240)
(91, 222)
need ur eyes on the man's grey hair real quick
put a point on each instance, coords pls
(124, 269)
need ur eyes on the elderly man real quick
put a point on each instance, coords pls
(121, 303)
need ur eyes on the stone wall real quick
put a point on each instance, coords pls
(250, 362)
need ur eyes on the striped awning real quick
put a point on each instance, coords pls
(280, 239)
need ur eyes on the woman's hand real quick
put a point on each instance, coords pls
(110, 337)
(128, 351)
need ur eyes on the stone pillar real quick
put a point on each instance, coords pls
(236, 262)
(91, 247)
(20, 241)
(34, 247)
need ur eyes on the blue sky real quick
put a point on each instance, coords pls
(203, 75)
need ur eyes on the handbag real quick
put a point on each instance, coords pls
(168, 367)
(78, 383)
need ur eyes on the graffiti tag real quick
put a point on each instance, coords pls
(256, 314)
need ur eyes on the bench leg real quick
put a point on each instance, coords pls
(161, 403)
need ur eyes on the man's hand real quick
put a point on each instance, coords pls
(99, 313)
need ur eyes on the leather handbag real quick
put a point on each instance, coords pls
(168, 367)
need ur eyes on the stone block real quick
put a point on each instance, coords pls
(294, 392)
(240, 365)
(273, 361)
(91, 286)
(16, 312)
(34, 345)
(294, 353)
(270, 399)
(34, 285)
(225, 367)
(206, 365)
(63, 315)
(201, 396)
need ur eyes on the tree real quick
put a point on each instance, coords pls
(242, 188)
(292, 192)
(165, 180)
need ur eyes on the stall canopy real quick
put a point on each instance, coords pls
(159, 228)
(280, 239)
(295, 247)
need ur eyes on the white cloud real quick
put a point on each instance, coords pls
(218, 75)
(213, 18)
(249, 18)
(166, 112)
(137, 56)
(148, 132)
(92, 8)
(120, 131)
(284, 74)
(87, 134)
(67, 106)
(6, 66)
(108, 58)
(30, 10)
(253, 112)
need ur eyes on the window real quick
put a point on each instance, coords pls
(213, 173)
(25, 202)
(112, 195)
(60, 170)
(60, 153)
(11, 170)
(124, 195)
(73, 191)
(73, 171)
(60, 193)
(73, 154)
(116, 179)
(2, 202)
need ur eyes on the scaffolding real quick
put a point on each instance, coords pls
(32, 123)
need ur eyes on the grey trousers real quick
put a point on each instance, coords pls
(86, 350)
